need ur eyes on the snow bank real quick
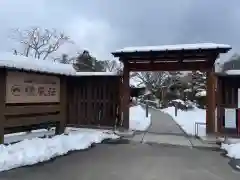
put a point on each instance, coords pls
(187, 119)
(138, 120)
(233, 150)
(32, 151)
(16, 137)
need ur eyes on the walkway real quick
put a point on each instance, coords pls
(163, 123)
(164, 130)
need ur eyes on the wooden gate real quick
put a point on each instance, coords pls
(93, 100)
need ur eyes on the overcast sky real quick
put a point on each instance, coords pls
(102, 26)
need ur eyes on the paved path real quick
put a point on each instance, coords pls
(130, 162)
(163, 123)
(164, 130)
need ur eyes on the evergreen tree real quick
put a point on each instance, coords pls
(85, 62)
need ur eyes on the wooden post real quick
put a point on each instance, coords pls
(219, 102)
(126, 95)
(119, 110)
(2, 103)
(147, 107)
(63, 106)
(211, 101)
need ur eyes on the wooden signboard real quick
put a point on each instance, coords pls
(24, 87)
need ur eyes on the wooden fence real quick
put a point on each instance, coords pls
(31, 100)
(93, 100)
(228, 110)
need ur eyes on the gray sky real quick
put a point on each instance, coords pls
(102, 26)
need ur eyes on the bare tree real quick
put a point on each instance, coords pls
(113, 66)
(37, 42)
(153, 80)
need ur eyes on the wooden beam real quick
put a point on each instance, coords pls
(126, 95)
(219, 103)
(164, 59)
(170, 66)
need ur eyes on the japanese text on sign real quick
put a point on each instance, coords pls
(31, 88)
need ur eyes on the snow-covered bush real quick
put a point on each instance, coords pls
(200, 98)
(180, 104)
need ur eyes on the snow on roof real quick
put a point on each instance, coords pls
(233, 72)
(8, 60)
(96, 73)
(174, 47)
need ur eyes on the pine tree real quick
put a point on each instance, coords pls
(64, 59)
(198, 83)
(86, 62)
(83, 62)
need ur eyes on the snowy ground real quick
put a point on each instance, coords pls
(16, 137)
(233, 150)
(33, 150)
(187, 119)
(138, 120)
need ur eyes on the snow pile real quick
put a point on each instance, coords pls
(138, 120)
(187, 119)
(179, 101)
(16, 137)
(201, 94)
(187, 90)
(32, 151)
(233, 150)
(181, 105)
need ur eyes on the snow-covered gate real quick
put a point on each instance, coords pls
(93, 100)
(179, 57)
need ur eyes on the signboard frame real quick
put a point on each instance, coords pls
(24, 87)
